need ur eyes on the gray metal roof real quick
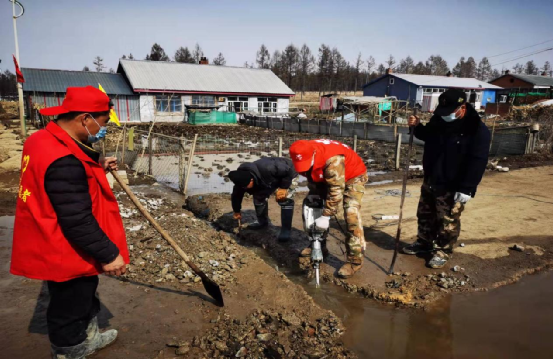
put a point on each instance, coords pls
(444, 81)
(41, 80)
(535, 79)
(156, 76)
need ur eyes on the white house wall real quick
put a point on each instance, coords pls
(147, 108)
(252, 104)
(283, 105)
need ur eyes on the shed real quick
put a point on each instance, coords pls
(420, 89)
(520, 89)
(170, 91)
(47, 88)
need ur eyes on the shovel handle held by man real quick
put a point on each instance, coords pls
(412, 123)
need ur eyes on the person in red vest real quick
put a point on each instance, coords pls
(343, 174)
(67, 225)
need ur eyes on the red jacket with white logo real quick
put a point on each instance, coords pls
(326, 149)
(40, 249)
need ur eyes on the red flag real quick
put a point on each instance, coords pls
(18, 71)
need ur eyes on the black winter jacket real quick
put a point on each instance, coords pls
(455, 153)
(269, 174)
(66, 184)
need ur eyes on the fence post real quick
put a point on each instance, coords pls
(318, 126)
(355, 143)
(150, 153)
(366, 131)
(280, 147)
(398, 150)
(341, 123)
(527, 148)
(124, 146)
(395, 130)
(182, 163)
(190, 160)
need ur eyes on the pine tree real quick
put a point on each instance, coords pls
(458, 69)
(306, 62)
(469, 68)
(290, 57)
(219, 60)
(484, 71)
(157, 54)
(99, 63)
(546, 68)
(437, 66)
(183, 55)
(531, 68)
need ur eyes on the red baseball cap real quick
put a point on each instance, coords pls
(80, 99)
(301, 153)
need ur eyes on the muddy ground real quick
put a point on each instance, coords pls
(510, 208)
(161, 308)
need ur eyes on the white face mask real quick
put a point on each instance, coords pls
(451, 117)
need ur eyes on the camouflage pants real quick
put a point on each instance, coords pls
(439, 219)
(353, 194)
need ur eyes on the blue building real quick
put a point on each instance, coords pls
(425, 89)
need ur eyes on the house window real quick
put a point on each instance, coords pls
(503, 98)
(267, 104)
(427, 90)
(237, 104)
(203, 100)
(392, 80)
(168, 103)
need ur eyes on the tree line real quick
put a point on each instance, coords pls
(328, 71)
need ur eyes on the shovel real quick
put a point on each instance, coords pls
(403, 190)
(210, 286)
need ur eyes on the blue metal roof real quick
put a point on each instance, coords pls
(42, 80)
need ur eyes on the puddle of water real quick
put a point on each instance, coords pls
(509, 322)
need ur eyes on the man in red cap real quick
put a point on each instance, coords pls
(344, 175)
(67, 223)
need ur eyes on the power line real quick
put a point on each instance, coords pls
(527, 47)
(523, 56)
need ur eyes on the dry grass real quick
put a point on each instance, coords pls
(313, 96)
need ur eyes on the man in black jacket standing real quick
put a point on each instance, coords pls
(456, 147)
(261, 179)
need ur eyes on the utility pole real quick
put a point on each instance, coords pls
(19, 84)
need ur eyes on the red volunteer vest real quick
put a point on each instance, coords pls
(40, 250)
(325, 149)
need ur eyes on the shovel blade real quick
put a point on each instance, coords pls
(213, 290)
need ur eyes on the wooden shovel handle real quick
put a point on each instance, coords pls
(152, 221)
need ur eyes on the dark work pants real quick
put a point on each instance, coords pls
(72, 305)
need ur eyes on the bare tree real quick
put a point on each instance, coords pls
(198, 53)
(306, 62)
(518, 68)
(358, 64)
(263, 59)
(99, 63)
(546, 68)
(390, 62)
(370, 64)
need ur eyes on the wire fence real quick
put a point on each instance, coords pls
(166, 158)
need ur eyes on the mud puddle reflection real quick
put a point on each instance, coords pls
(515, 321)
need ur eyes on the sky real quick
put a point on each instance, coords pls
(68, 34)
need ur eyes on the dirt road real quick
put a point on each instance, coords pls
(510, 208)
(161, 308)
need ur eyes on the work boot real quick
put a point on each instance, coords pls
(262, 213)
(348, 269)
(416, 248)
(438, 260)
(94, 341)
(286, 215)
